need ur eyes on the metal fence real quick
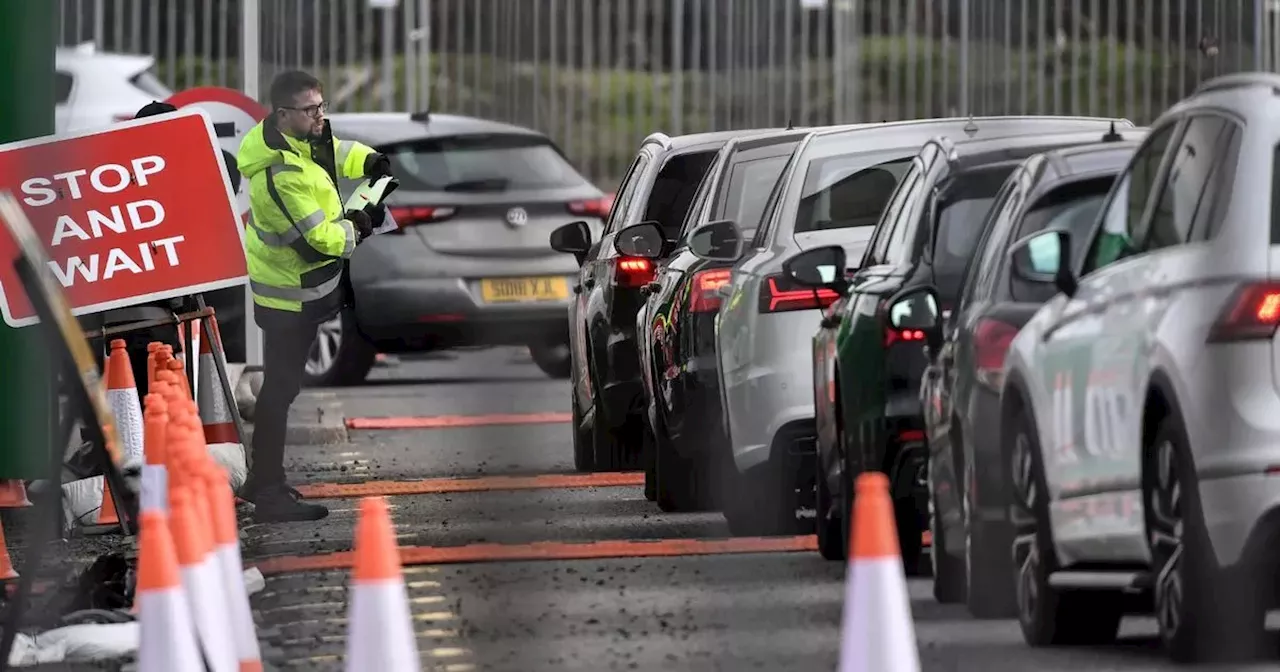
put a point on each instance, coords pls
(599, 75)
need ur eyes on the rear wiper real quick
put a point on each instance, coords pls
(490, 184)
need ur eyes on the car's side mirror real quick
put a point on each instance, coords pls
(572, 238)
(718, 241)
(914, 313)
(1045, 258)
(644, 240)
(819, 268)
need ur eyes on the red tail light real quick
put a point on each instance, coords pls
(1252, 313)
(779, 295)
(412, 216)
(705, 296)
(632, 272)
(892, 336)
(991, 339)
(594, 208)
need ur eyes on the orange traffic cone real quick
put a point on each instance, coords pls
(153, 349)
(878, 634)
(7, 572)
(167, 642)
(201, 581)
(178, 368)
(227, 548)
(155, 476)
(122, 396)
(215, 408)
(107, 515)
(379, 632)
(13, 494)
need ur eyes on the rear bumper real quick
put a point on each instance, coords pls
(444, 312)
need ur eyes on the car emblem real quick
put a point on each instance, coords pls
(517, 217)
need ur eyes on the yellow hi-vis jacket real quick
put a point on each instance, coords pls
(297, 236)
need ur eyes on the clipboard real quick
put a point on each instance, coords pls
(370, 195)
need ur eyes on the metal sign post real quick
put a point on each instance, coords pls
(250, 57)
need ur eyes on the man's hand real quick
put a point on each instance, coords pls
(377, 166)
(364, 225)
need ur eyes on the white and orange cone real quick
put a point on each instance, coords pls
(202, 581)
(380, 632)
(226, 540)
(167, 642)
(155, 476)
(877, 634)
(122, 396)
(13, 494)
(219, 426)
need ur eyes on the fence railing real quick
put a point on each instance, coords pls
(599, 75)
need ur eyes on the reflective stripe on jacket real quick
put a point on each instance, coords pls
(297, 236)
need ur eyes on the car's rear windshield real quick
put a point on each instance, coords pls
(848, 191)
(750, 183)
(961, 216)
(484, 162)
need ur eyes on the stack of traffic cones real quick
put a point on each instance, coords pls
(204, 525)
(379, 632)
(877, 633)
(155, 477)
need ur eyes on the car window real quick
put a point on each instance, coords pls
(1213, 207)
(671, 194)
(627, 193)
(772, 205)
(1075, 213)
(961, 217)
(698, 212)
(1184, 184)
(487, 162)
(62, 85)
(978, 278)
(878, 250)
(1119, 234)
(749, 185)
(848, 191)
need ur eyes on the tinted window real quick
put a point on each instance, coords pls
(1120, 234)
(848, 191)
(627, 193)
(978, 278)
(701, 201)
(1217, 196)
(1184, 185)
(749, 185)
(672, 192)
(961, 217)
(482, 162)
(62, 85)
(878, 250)
(1077, 214)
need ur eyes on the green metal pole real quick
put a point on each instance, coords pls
(28, 38)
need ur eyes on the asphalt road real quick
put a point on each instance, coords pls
(753, 611)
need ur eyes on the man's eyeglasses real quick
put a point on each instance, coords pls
(311, 110)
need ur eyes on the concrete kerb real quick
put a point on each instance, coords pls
(313, 420)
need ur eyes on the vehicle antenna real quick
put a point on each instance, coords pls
(1112, 135)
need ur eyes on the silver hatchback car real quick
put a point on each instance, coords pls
(469, 263)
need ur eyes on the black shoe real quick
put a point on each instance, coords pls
(283, 504)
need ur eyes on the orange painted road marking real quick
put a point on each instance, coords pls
(549, 550)
(429, 486)
(444, 421)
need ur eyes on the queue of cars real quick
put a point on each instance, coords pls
(1054, 334)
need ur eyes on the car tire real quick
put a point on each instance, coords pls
(583, 449)
(553, 359)
(910, 535)
(340, 355)
(1204, 613)
(828, 521)
(1047, 616)
(948, 572)
(680, 483)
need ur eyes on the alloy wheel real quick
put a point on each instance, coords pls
(324, 350)
(1165, 536)
(1026, 543)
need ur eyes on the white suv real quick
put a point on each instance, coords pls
(1141, 408)
(96, 89)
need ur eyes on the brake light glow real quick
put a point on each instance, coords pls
(704, 296)
(779, 295)
(632, 272)
(598, 207)
(1252, 313)
(991, 340)
(892, 336)
(418, 214)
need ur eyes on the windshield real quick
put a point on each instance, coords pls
(493, 162)
(149, 84)
(750, 183)
(848, 191)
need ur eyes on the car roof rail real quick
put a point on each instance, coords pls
(657, 137)
(1240, 80)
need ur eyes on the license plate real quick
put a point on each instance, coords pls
(524, 290)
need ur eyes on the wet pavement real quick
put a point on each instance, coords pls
(724, 611)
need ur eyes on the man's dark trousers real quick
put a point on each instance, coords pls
(286, 342)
